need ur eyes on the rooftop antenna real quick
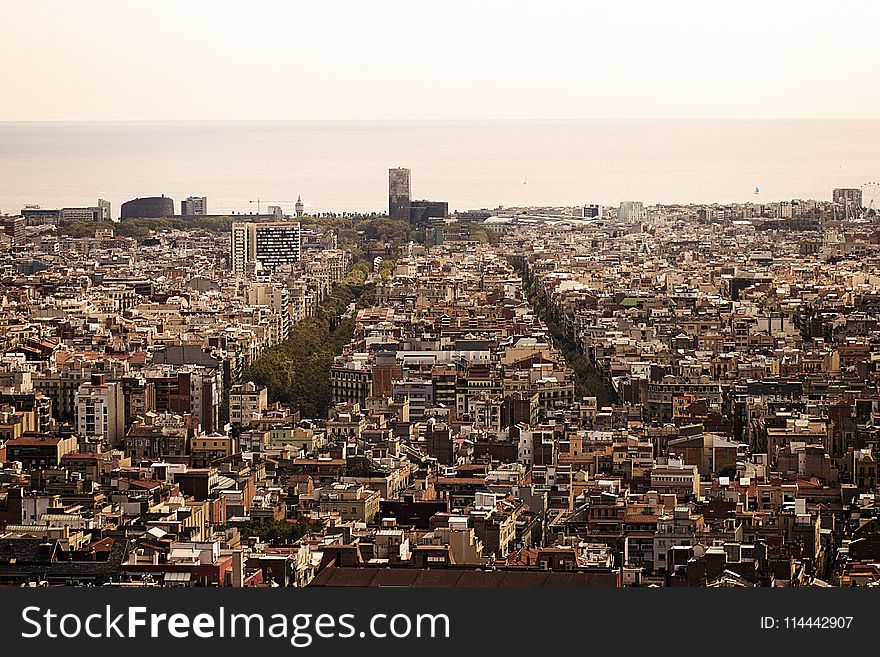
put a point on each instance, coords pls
(257, 201)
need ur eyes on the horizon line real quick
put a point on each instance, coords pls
(442, 120)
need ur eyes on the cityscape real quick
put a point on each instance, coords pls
(635, 395)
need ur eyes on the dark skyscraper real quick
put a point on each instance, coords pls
(398, 194)
(421, 212)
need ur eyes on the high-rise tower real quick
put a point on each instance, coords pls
(398, 194)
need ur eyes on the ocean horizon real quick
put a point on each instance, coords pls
(339, 165)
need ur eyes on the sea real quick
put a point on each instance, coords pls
(342, 166)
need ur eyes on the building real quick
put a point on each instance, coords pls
(161, 436)
(92, 214)
(197, 392)
(277, 298)
(632, 212)
(13, 227)
(193, 206)
(421, 212)
(100, 410)
(399, 194)
(350, 501)
(268, 245)
(299, 206)
(39, 450)
(851, 196)
(587, 212)
(104, 206)
(34, 215)
(150, 207)
(247, 403)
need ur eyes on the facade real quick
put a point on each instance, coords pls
(350, 502)
(421, 212)
(399, 194)
(34, 215)
(247, 403)
(195, 391)
(104, 206)
(13, 227)
(93, 214)
(151, 207)
(39, 450)
(100, 410)
(268, 245)
(277, 298)
(631, 212)
(587, 212)
(193, 206)
(847, 196)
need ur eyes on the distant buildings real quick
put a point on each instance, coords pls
(421, 212)
(151, 207)
(13, 227)
(194, 206)
(271, 244)
(35, 215)
(847, 196)
(399, 194)
(74, 215)
(631, 212)
(587, 212)
(105, 210)
(299, 206)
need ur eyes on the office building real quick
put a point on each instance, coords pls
(632, 212)
(75, 215)
(421, 212)
(587, 212)
(398, 194)
(268, 245)
(100, 410)
(194, 206)
(34, 215)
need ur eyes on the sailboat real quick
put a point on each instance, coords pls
(525, 180)
(757, 191)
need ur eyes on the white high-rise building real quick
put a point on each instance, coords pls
(105, 209)
(271, 244)
(100, 410)
(632, 212)
(194, 206)
(275, 297)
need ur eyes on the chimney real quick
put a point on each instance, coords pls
(238, 569)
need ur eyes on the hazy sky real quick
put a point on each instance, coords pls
(472, 59)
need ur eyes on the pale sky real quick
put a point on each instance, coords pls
(453, 59)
